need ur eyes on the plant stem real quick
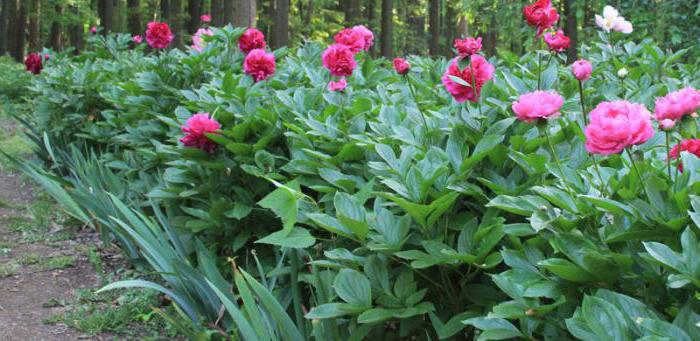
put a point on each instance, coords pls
(539, 69)
(413, 94)
(296, 292)
(668, 154)
(585, 123)
(556, 160)
(636, 170)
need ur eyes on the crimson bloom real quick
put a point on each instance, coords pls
(339, 60)
(33, 63)
(677, 104)
(196, 128)
(537, 105)
(541, 15)
(468, 46)
(479, 71)
(250, 40)
(691, 146)
(259, 64)
(401, 66)
(158, 35)
(557, 41)
(617, 125)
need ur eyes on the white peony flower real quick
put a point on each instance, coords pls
(612, 21)
(622, 73)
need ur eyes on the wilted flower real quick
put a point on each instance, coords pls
(339, 60)
(468, 46)
(250, 40)
(541, 15)
(339, 86)
(158, 35)
(401, 66)
(677, 104)
(259, 64)
(537, 105)
(582, 69)
(617, 125)
(479, 71)
(198, 42)
(196, 128)
(612, 21)
(557, 41)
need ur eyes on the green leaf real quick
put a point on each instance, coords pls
(567, 270)
(353, 287)
(283, 202)
(296, 238)
(494, 328)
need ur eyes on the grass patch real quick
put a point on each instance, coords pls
(60, 262)
(9, 269)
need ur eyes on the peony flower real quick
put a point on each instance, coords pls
(250, 40)
(556, 41)
(479, 71)
(617, 125)
(206, 18)
(367, 34)
(93, 30)
(158, 35)
(339, 86)
(401, 66)
(196, 128)
(622, 73)
(138, 39)
(198, 42)
(677, 104)
(537, 105)
(339, 60)
(33, 63)
(541, 15)
(691, 146)
(667, 124)
(259, 64)
(468, 46)
(582, 69)
(47, 56)
(612, 21)
(353, 39)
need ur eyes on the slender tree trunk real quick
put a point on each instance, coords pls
(244, 13)
(176, 22)
(34, 26)
(434, 29)
(134, 17)
(229, 9)
(21, 30)
(194, 8)
(309, 13)
(268, 27)
(352, 11)
(107, 16)
(76, 32)
(281, 31)
(12, 27)
(461, 27)
(3, 26)
(449, 27)
(165, 14)
(570, 29)
(387, 28)
(217, 12)
(57, 30)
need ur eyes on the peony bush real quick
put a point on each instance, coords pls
(318, 193)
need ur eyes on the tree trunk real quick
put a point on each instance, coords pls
(175, 22)
(165, 14)
(449, 28)
(244, 13)
(352, 12)
(462, 26)
(281, 29)
(76, 32)
(4, 34)
(372, 22)
(134, 17)
(434, 30)
(194, 8)
(21, 30)
(570, 29)
(34, 26)
(107, 15)
(229, 9)
(56, 30)
(217, 12)
(309, 13)
(387, 28)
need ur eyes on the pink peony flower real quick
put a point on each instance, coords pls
(401, 66)
(617, 125)
(666, 124)
(367, 34)
(259, 64)
(93, 29)
(541, 15)
(556, 41)
(339, 60)
(196, 128)
(138, 39)
(352, 38)
(198, 42)
(47, 56)
(206, 18)
(339, 86)
(468, 46)
(33, 63)
(582, 69)
(158, 35)
(538, 105)
(482, 72)
(691, 146)
(250, 40)
(677, 104)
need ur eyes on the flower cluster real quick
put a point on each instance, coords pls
(339, 58)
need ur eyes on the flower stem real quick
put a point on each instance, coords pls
(585, 123)
(668, 154)
(556, 160)
(413, 94)
(539, 69)
(636, 170)
(296, 291)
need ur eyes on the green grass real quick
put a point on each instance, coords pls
(9, 269)
(60, 262)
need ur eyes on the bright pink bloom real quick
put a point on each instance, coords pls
(158, 35)
(468, 46)
(691, 146)
(339, 60)
(206, 18)
(367, 34)
(582, 69)
(352, 38)
(33, 63)
(557, 41)
(198, 42)
(196, 128)
(667, 124)
(93, 30)
(479, 71)
(340, 85)
(617, 125)
(47, 56)
(138, 39)
(250, 40)
(538, 105)
(259, 64)
(677, 104)
(541, 15)
(401, 66)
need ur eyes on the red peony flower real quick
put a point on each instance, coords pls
(250, 40)
(541, 15)
(482, 72)
(352, 38)
(259, 64)
(556, 41)
(691, 146)
(33, 63)
(158, 35)
(339, 60)
(401, 66)
(196, 129)
(468, 46)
